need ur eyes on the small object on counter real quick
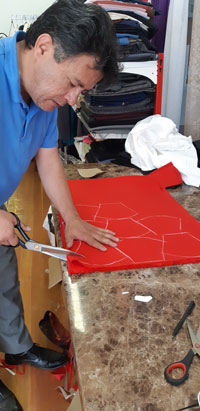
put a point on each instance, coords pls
(143, 298)
(197, 404)
(187, 312)
(184, 364)
(89, 172)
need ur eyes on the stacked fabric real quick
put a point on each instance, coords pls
(133, 22)
(119, 107)
(123, 103)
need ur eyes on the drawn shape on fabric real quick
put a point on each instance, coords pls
(150, 236)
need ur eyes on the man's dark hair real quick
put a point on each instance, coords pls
(78, 28)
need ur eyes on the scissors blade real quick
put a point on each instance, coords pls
(195, 340)
(198, 333)
(193, 405)
(59, 251)
(56, 252)
(59, 256)
(189, 406)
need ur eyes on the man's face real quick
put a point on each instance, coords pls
(51, 84)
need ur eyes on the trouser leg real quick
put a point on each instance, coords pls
(14, 336)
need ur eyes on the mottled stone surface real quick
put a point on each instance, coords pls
(122, 346)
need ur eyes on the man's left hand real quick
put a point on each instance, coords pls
(78, 229)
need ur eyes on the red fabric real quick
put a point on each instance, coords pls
(18, 369)
(154, 230)
(59, 373)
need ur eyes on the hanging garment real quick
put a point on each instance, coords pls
(153, 229)
(161, 22)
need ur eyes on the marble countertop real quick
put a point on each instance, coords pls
(122, 346)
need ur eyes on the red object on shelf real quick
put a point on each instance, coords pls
(153, 228)
(158, 102)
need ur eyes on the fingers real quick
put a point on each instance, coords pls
(101, 241)
(69, 242)
(15, 221)
(97, 244)
(13, 240)
(7, 232)
(105, 237)
(5, 243)
(26, 227)
(104, 230)
(95, 236)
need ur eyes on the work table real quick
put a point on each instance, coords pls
(122, 346)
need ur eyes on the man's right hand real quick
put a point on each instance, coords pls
(8, 235)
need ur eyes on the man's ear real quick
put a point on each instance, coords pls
(43, 44)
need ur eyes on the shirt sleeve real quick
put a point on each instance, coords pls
(51, 138)
(166, 176)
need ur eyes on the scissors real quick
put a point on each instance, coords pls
(197, 404)
(185, 364)
(28, 244)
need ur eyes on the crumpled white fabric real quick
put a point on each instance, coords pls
(155, 141)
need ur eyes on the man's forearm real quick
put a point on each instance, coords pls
(52, 175)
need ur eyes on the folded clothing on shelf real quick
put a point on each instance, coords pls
(127, 101)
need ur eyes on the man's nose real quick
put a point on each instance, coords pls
(72, 95)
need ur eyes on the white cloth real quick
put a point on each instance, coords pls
(155, 141)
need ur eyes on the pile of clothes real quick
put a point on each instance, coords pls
(134, 26)
(124, 103)
(119, 107)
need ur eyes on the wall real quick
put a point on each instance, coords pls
(19, 7)
(175, 60)
(192, 118)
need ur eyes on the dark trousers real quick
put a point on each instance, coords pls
(14, 336)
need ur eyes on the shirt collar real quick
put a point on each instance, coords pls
(12, 70)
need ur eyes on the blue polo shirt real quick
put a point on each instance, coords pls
(23, 129)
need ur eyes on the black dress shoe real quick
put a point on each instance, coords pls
(38, 357)
(8, 401)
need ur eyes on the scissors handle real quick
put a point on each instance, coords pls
(184, 365)
(22, 232)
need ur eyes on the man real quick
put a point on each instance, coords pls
(66, 51)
